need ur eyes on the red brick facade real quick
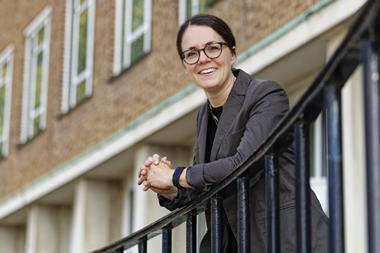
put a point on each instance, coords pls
(115, 101)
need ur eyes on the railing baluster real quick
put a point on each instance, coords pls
(271, 189)
(303, 187)
(372, 134)
(332, 99)
(191, 232)
(119, 250)
(142, 245)
(243, 214)
(167, 240)
(216, 224)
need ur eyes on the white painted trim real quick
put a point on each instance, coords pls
(71, 79)
(124, 61)
(37, 21)
(6, 56)
(118, 36)
(67, 57)
(30, 67)
(182, 11)
(317, 24)
(66, 174)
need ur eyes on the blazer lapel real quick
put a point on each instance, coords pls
(230, 109)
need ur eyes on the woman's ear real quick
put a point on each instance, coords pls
(233, 52)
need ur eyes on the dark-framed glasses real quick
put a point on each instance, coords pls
(212, 50)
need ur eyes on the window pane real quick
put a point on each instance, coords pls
(137, 14)
(82, 41)
(40, 36)
(1, 148)
(81, 91)
(37, 101)
(2, 109)
(36, 124)
(189, 8)
(137, 49)
(204, 5)
(4, 70)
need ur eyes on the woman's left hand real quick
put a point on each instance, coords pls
(160, 176)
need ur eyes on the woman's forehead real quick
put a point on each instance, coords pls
(197, 36)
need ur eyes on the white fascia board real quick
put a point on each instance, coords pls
(167, 112)
(313, 26)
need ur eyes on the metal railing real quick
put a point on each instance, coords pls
(360, 46)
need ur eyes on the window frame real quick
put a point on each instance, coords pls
(6, 57)
(32, 49)
(72, 79)
(182, 9)
(125, 37)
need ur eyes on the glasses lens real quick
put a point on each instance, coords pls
(213, 50)
(191, 56)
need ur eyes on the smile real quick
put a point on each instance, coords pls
(206, 71)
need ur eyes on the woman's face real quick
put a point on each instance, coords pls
(209, 74)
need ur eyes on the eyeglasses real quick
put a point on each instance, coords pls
(212, 50)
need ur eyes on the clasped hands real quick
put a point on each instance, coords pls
(156, 174)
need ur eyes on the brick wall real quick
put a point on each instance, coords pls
(117, 102)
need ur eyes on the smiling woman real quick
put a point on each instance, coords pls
(240, 113)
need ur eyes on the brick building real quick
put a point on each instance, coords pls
(90, 88)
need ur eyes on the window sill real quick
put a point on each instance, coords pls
(62, 115)
(20, 145)
(127, 69)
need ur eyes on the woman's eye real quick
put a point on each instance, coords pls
(191, 54)
(213, 48)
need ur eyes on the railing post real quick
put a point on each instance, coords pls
(167, 240)
(216, 224)
(370, 60)
(271, 192)
(332, 99)
(243, 215)
(302, 187)
(191, 233)
(142, 245)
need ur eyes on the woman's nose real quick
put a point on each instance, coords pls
(203, 57)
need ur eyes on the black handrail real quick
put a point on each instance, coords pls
(327, 85)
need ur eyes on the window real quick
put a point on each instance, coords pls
(132, 32)
(36, 68)
(6, 66)
(79, 44)
(189, 8)
(318, 161)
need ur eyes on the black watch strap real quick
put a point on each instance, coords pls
(176, 176)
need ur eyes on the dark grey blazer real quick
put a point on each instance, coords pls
(252, 110)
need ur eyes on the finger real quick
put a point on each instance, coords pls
(146, 185)
(141, 180)
(166, 161)
(156, 159)
(148, 161)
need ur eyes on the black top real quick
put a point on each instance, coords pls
(211, 128)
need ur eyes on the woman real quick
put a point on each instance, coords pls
(238, 116)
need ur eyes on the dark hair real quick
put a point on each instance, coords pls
(215, 23)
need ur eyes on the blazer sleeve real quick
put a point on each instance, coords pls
(184, 196)
(268, 104)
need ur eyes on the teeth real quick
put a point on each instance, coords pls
(207, 71)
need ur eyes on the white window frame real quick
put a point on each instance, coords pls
(70, 78)
(6, 57)
(182, 12)
(123, 24)
(319, 181)
(32, 49)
